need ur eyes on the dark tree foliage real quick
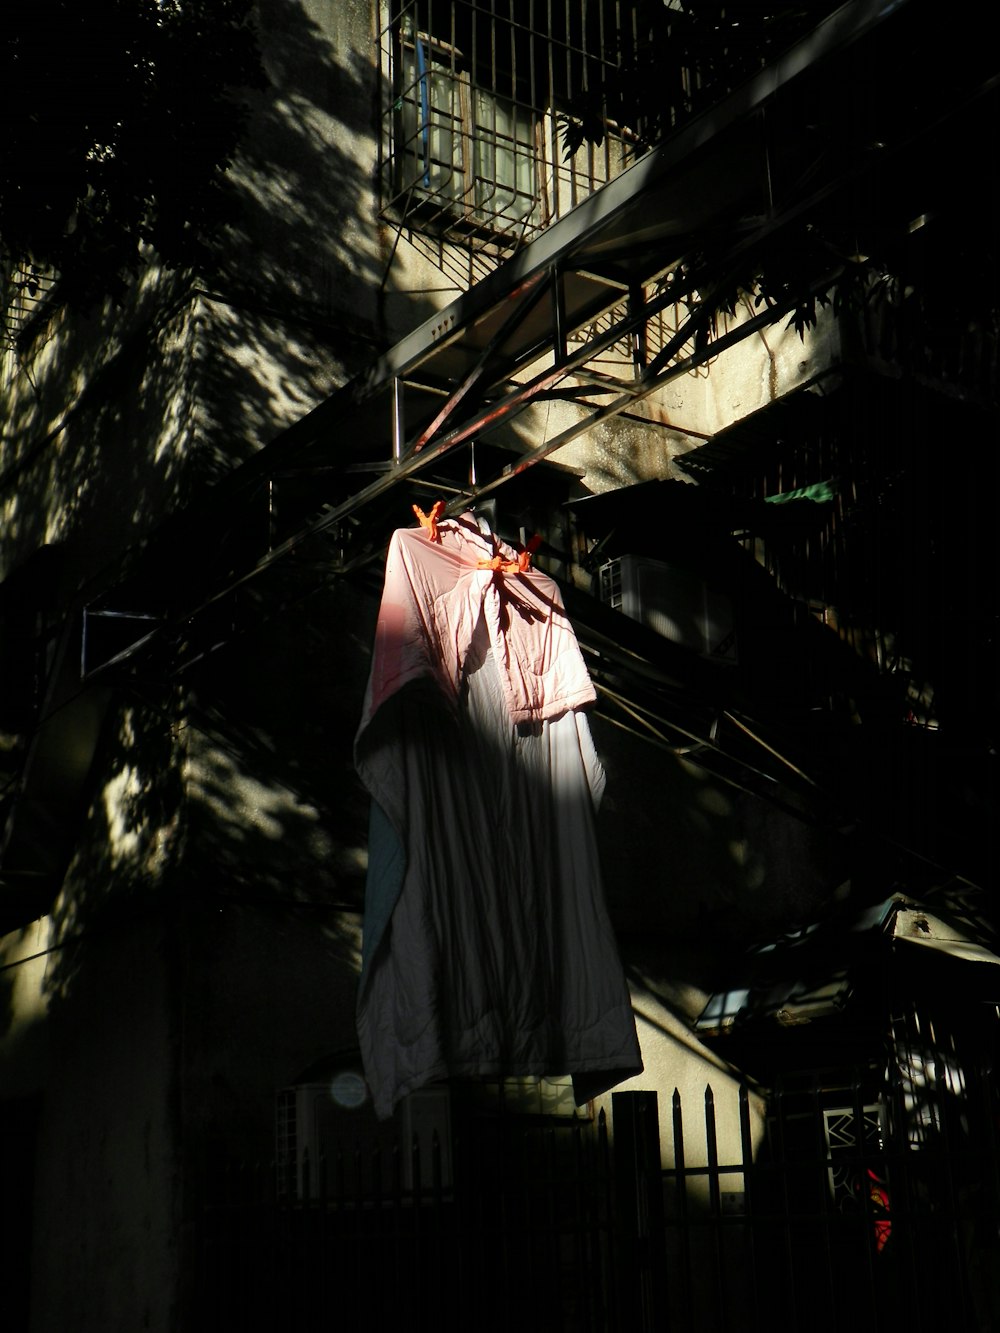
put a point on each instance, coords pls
(120, 118)
(673, 61)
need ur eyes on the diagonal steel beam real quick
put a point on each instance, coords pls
(526, 298)
(650, 385)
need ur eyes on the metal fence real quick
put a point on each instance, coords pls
(855, 1209)
(842, 1216)
(518, 1220)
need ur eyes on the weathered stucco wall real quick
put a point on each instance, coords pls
(24, 1009)
(105, 1201)
(758, 369)
(97, 429)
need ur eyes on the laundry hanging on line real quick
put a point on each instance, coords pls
(487, 949)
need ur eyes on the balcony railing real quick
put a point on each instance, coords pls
(478, 96)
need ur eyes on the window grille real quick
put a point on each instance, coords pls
(472, 146)
(611, 584)
(851, 1145)
(26, 288)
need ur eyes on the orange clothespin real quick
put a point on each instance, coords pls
(496, 563)
(430, 521)
(524, 556)
(519, 566)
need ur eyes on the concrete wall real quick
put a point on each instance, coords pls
(96, 426)
(24, 1009)
(106, 1236)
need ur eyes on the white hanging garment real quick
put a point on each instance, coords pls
(488, 951)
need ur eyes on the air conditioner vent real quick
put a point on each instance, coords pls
(328, 1141)
(674, 602)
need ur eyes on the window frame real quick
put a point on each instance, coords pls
(462, 139)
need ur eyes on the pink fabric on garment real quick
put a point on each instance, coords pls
(431, 603)
(488, 951)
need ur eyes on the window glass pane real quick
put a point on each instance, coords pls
(503, 158)
(430, 124)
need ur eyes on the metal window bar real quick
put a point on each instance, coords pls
(471, 146)
(26, 289)
(835, 1219)
(374, 1233)
(841, 1217)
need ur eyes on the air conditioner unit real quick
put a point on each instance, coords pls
(326, 1142)
(674, 602)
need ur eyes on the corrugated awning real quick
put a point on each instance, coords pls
(811, 974)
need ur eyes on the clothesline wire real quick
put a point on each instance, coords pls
(646, 718)
(651, 735)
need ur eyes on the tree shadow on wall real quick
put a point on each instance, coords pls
(236, 784)
(275, 804)
(117, 418)
(120, 420)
